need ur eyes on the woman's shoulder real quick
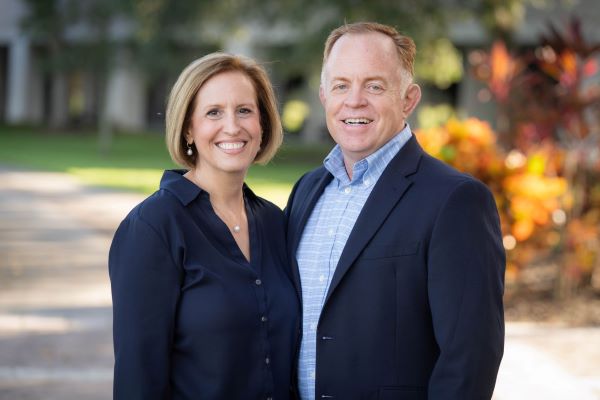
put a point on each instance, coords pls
(156, 208)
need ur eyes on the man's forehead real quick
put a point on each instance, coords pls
(368, 54)
(350, 41)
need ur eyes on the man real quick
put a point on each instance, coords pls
(398, 258)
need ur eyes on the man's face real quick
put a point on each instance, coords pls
(366, 95)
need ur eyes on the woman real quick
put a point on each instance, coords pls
(202, 303)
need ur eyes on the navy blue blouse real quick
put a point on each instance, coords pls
(193, 319)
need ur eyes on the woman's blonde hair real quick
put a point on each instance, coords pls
(180, 106)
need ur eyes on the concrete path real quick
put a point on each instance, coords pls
(55, 315)
(55, 308)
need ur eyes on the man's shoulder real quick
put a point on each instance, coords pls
(310, 178)
(445, 179)
(442, 171)
(303, 186)
(316, 173)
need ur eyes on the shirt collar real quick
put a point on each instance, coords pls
(184, 189)
(368, 170)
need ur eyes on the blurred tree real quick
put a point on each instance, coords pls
(551, 96)
(49, 23)
(46, 22)
(162, 35)
(427, 21)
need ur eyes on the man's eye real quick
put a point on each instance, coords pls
(340, 87)
(375, 88)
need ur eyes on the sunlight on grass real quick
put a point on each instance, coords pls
(147, 181)
(135, 179)
(274, 192)
(136, 161)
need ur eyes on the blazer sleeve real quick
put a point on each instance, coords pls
(145, 284)
(466, 263)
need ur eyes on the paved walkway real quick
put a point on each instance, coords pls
(55, 315)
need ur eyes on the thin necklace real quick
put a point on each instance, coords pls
(236, 228)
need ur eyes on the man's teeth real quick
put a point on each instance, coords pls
(354, 121)
(230, 145)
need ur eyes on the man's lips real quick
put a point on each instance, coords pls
(357, 121)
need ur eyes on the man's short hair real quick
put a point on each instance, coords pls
(405, 46)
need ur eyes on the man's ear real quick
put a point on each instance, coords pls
(411, 99)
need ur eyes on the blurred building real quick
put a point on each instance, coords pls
(31, 94)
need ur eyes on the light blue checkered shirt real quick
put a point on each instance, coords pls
(325, 236)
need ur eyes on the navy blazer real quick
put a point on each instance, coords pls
(414, 309)
(193, 319)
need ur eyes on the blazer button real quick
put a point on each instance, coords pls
(258, 282)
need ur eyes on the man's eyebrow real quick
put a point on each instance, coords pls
(338, 78)
(369, 78)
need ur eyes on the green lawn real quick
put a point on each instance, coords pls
(136, 161)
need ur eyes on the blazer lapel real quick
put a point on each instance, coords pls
(387, 192)
(306, 200)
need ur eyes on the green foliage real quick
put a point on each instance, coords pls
(440, 63)
(434, 116)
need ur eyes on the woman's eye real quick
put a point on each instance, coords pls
(213, 113)
(245, 110)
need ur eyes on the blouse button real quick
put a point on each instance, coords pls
(258, 282)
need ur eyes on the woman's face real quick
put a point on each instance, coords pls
(225, 125)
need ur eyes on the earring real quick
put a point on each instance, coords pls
(189, 151)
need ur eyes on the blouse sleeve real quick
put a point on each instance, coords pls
(145, 284)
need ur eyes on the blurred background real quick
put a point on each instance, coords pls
(511, 96)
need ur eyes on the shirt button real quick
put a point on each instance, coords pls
(312, 374)
(366, 182)
(321, 278)
(263, 318)
(258, 282)
(348, 190)
(267, 360)
(331, 232)
(313, 326)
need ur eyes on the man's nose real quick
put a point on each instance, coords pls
(355, 97)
